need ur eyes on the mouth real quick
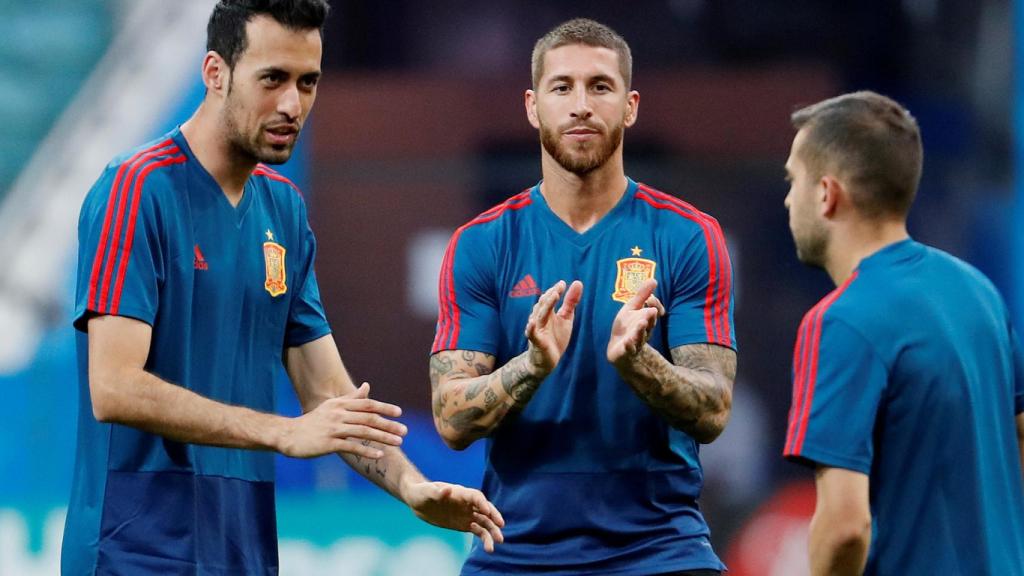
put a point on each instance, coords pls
(281, 135)
(581, 133)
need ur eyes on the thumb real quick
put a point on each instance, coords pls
(363, 391)
(642, 294)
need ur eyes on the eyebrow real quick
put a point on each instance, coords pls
(590, 80)
(279, 70)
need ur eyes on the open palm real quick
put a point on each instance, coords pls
(549, 331)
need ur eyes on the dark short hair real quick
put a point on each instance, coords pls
(589, 33)
(225, 33)
(869, 139)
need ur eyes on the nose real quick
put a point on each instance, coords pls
(581, 105)
(289, 103)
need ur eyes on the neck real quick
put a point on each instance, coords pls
(205, 137)
(852, 244)
(581, 201)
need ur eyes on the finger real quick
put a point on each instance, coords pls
(653, 302)
(483, 505)
(531, 328)
(367, 433)
(368, 405)
(374, 421)
(571, 300)
(483, 535)
(488, 524)
(542, 310)
(642, 294)
(650, 316)
(356, 448)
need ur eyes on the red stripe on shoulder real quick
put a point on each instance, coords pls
(448, 310)
(264, 170)
(809, 370)
(115, 203)
(716, 301)
(129, 236)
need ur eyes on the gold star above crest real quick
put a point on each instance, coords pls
(270, 235)
(635, 250)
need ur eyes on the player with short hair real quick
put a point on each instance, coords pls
(195, 283)
(592, 410)
(908, 379)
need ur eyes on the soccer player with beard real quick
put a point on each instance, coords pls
(592, 409)
(908, 379)
(195, 283)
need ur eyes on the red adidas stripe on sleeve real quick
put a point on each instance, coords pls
(719, 291)
(448, 326)
(805, 369)
(114, 247)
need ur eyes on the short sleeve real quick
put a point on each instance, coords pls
(307, 320)
(700, 303)
(467, 307)
(1018, 371)
(838, 383)
(120, 257)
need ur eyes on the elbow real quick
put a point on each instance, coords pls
(453, 439)
(851, 539)
(452, 436)
(104, 402)
(711, 426)
(106, 396)
(707, 432)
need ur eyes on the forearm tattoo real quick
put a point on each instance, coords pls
(470, 399)
(693, 392)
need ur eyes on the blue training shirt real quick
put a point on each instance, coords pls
(910, 372)
(225, 290)
(589, 479)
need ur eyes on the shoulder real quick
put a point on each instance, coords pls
(137, 173)
(842, 305)
(280, 187)
(676, 214)
(492, 224)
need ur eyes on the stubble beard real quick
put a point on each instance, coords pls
(249, 147)
(584, 157)
(812, 246)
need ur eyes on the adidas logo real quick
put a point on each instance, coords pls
(525, 287)
(199, 262)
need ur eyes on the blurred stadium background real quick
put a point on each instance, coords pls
(419, 125)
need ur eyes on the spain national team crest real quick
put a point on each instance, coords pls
(631, 274)
(273, 258)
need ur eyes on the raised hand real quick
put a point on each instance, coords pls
(633, 324)
(344, 424)
(549, 331)
(457, 508)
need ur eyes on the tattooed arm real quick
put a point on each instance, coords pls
(694, 391)
(470, 398)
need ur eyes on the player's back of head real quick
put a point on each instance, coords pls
(870, 141)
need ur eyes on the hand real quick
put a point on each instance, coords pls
(344, 424)
(548, 331)
(634, 323)
(457, 508)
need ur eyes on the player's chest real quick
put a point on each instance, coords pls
(247, 263)
(611, 270)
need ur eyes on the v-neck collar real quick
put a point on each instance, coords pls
(207, 181)
(559, 226)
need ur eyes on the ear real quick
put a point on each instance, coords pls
(216, 74)
(530, 102)
(632, 108)
(831, 194)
